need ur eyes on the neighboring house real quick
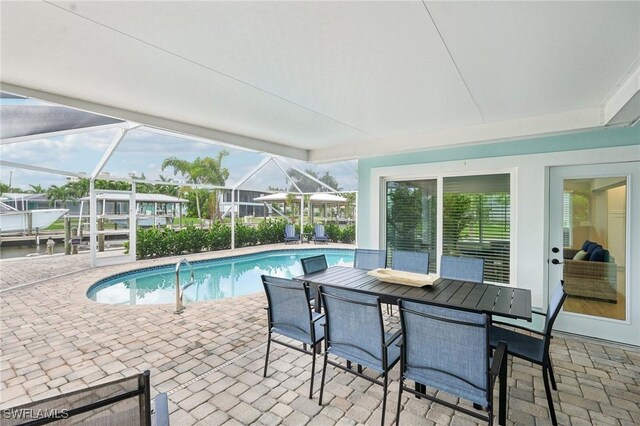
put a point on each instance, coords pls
(245, 205)
(25, 201)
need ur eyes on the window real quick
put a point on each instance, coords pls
(476, 221)
(411, 218)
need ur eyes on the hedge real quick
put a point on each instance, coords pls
(154, 242)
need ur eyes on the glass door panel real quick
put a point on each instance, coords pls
(595, 240)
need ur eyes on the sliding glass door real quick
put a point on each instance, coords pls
(476, 220)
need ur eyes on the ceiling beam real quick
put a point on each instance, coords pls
(621, 96)
(162, 123)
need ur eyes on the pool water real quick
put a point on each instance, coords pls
(214, 279)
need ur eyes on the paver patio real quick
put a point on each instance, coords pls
(209, 359)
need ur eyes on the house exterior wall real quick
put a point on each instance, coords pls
(528, 161)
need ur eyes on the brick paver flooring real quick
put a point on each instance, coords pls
(209, 359)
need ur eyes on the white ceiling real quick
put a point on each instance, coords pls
(330, 80)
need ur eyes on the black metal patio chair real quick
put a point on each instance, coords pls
(354, 331)
(534, 347)
(290, 315)
(124, 401)
(448, 349)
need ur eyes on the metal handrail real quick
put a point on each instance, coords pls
(179, 293)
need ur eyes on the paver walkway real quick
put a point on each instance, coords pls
(209, 360)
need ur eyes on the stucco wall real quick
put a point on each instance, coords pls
(528, 160)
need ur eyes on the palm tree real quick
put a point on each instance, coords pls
(205, 170)
(36, 189)
(58, 193)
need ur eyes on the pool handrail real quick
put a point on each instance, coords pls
(180, 294)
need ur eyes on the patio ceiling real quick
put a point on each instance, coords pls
(324, 81)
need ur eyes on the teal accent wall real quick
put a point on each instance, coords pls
(601, 138)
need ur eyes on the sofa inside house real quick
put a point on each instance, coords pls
(590, 272)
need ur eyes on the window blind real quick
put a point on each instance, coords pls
(477, 221)
(411, 218)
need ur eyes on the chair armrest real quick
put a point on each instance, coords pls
(499, 357)
(393, 338)
(160, 412)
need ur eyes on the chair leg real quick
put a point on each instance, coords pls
(384, 397)
(313, 372)
(359, 368)
(547, 388)
(324, 372)
(266, 357)
(399, 400)
(349, 364)
(502, 407)
(552, 376)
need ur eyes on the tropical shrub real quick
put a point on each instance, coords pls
(271, 231)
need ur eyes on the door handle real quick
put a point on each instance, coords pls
(556, 262)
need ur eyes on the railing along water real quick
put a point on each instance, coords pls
(180, 294)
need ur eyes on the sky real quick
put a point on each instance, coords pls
(143, 152)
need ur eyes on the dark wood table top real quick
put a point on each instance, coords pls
(475, 297)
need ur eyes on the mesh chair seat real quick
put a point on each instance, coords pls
(363, 359)
(520, 345)
(301, 335)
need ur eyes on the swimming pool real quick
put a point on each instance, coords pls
(214, 279)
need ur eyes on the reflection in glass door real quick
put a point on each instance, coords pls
(595, 240)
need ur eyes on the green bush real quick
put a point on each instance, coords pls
(246, 235)
(271, 231)
(348, 234)
(219, 237)
(154, 242)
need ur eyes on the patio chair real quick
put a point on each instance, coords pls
(448, 349)
(319, 235)
(290, 315)
(369, 259)
(290, 234)
(124, 401)
(354, 331)
(410, 261)
(313, 264)
(462, 268)
(534, 348)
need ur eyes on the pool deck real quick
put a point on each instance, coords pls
(209, 359)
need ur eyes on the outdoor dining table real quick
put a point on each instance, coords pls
(469, 296)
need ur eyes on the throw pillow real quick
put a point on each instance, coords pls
(607, 256)
(597, 255)
(591, 248)
(586, 245)
(581, 255)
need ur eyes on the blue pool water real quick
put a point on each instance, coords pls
(214, 279)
